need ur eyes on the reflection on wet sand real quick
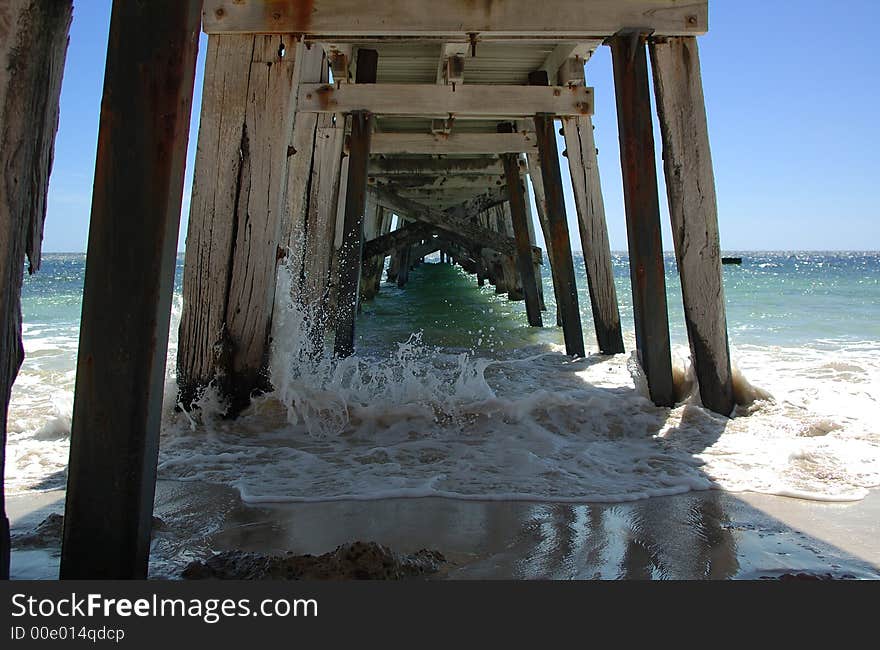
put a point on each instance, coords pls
(701, 535)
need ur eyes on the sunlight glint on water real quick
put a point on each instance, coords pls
(452, 394)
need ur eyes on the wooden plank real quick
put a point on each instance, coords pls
(352, 250)
(391, 167)
(235, 218)
(583, 164)
(456, 18)
(129, 280)
(642, 204)
(693, 209)
(442, 101)
(453, 144)
(438, 182)
(33, 48)
(581, 51)
(557, 221)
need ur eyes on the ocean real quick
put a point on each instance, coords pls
(451, 394)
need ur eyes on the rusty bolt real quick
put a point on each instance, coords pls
(276, 15)
(220, 12)
(692, 20)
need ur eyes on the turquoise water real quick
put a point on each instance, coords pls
(772, 299)
(452, 394)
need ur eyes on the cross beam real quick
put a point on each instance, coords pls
(455, 18)
(451, 225)
(454, 144)
(430, 100)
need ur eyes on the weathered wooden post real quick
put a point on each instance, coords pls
(130, 275)
(642, 213)
(235, 221)
(530, 221)
(548, 154)
(314, 69)
(33, 48)
(404, 262)
(583, 164)
(534, 167)
(351, 251)
(690, 185)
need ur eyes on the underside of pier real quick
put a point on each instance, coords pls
(335, 135)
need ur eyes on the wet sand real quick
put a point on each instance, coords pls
(699, 535)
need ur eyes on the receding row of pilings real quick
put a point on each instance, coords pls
(269, 186)
(261, 194)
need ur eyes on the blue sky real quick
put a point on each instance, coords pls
(792, 96)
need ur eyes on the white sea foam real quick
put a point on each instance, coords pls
(531, 425)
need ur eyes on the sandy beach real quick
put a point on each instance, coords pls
(699, 535)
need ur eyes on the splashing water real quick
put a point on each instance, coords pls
(451, 394)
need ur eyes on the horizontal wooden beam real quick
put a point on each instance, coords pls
(456, 18)
(566, 51)
(406, 236)
(392, 167)
(449, 224)
(473, 206)
(461, 144)
(431, 100)
(449, 181)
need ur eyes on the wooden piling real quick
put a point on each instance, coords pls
(584, 167)
(235, 219)
(404, 264)
(129, 281)
(530, 221)
(693, 209)
(524, 261)
(351, 251)
(642, 213)
(541, 207)
(314, 69)
(548, 154)
(33, 48)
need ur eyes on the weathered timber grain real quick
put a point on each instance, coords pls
(642, 213)
(352, 232)
(559, 241)
(235, 225)
(457, 18)
(313, 67)
(429, 100)
(129, 280)
(693, 209)
(584, 167)
(534, 167)
(33, 48)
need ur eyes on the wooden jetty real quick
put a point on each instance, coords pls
(334, 135)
